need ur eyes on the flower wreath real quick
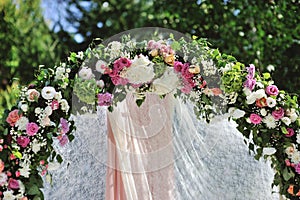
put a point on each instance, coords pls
(266, 116)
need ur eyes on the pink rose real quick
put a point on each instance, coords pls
(255, 119)
(278, 114)
(55, 105)
(178, 66)
(23, 141)
(13, 117)
(32, 128)
(1, 166)
(13, 184)
(272, 90)
(290, 133)
(105, 99)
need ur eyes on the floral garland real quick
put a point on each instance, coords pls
(266, 116)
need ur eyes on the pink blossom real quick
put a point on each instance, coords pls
(32, 128)
(13, 117)
(278, 114)
(18, 173)
(251, 71)
(121, 63)
(117, 80)
(23, 141)
(290, 133)
(63, 140)
(178, 66)
(297, 168)
(272, 90)
(105, 99)
(55, 105)
(186, 89)
(64, 125)
(287, 162)
(250, 83)
(13, 184)
(255, 119)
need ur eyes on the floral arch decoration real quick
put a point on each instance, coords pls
(215, 83)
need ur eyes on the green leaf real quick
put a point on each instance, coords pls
(59, 158)
(33, 190)
(139, 102)
(17, 154)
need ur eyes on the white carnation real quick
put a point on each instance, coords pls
(286, 120)
(140, 71)
(22, 123)
(167, 83)
(271, 102)
(48, 92)
(270, 121)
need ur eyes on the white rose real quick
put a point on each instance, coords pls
(24, 107)
(21, 123)
(64, 105)
(236, 113)
(86, 73)
(286, 120)
(167, 83)
(140, 71)
(271, 102)
(48, 92)
(100, 83)
(100, 66)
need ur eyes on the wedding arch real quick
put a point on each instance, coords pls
(173, 64)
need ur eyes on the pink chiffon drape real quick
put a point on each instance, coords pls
(140, 150)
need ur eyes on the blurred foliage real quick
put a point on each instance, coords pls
(262, 32)
(8, 97)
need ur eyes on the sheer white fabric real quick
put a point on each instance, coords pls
(193, 160)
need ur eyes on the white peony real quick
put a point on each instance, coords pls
(86, 73)
(286, 120)
(8, 195)
(100, 66)
(140, 71)
(270, 121)
(295, 158)
(22, 123)
(48, 92)
(271, 102)
(236, 113)
(167, 83)
(64, 105)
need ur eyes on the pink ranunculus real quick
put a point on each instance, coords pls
(255, 119)
(13, 184)
(55, 105)
(178, 66)
(105, 99)
(64, 125)
(250, 83)
(278, 114)
(290, 133)
(1, 166)
(63, 140)
(23, 141)
(32, 128)
(297, 168)
(13, 117)
(272, 90)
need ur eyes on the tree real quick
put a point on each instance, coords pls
(260, 32)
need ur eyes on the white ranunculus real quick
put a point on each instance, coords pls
(141, 70)
(64, 105)
(167, 83)
(86, 73)
(22, 123)
(48, 92)
(8, 195)
(236, 113)
(270, 121)
(100, 66)
(286, 120)
(271, 102)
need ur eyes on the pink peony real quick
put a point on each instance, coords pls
(32, 128)
(23, 141)
(105, 99)
(64, 125)
(290, 133)
(278, 114)
(255, 119)
(55, 105)
(13, 117)
(178, 66)
(297, 168)
(272, 90)
(13, 184)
